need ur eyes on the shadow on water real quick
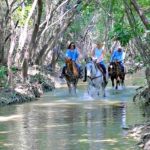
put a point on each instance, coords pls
(62, 122)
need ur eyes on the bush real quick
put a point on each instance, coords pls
(3, 75)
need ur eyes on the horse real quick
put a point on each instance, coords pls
(94, 78)
(115, 73)
(71, 75)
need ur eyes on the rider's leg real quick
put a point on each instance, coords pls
(122, 67)
(85, 75)
(80, 70)
(63, 72)
(102, 65)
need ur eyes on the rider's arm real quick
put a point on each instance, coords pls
(123, 56)
(102, 56)
(112, 56)
(93, 53)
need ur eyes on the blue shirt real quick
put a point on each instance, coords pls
(117, 56)
(72, 54)
(98, 53)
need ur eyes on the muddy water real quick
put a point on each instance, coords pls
(60, 122)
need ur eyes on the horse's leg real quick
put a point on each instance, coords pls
(116, 84)
(112, 80)
(103, 89)
(74, 88)
(69, 87)
(123, 81)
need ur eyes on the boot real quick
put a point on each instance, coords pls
(80, 70)
(61, 76)
(105, 81)
(62, 73)
(85, 75)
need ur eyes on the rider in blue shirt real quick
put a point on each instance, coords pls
(72, 53)
(119, 56)
(98, 54)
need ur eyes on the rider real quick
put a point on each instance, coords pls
(98, 55)
(72, 53)
(118, 55)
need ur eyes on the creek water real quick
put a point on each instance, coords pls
(58, 121)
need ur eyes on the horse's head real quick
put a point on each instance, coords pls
(91, 69)
(111, 68)
(71, 67)
(68, 62)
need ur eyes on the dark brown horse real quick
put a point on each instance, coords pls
(71, 75)
(115, 73)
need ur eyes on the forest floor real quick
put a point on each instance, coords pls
(38, 82)
(141, 133)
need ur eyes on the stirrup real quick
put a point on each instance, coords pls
(80, 76)
(61, 76)
(84, 80)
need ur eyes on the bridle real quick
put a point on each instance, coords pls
(95, 77)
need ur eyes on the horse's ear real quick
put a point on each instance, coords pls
(90, 58)
(87, 59)
(67, 59)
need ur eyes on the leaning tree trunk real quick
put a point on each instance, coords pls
(141, 14)
(142, 47)
(23, 39)
(146, 51)
(1, 42)
(32, 45)
(10, 52)
(147, 72)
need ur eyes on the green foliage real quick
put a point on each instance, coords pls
(138, 58)
(27, 2)
(3, 73)
(124, 33)
(121, 33)
(80, 21)
(22, 15)
(14, 69)
(38, 78)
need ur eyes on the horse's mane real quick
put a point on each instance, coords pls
(115, 68)
(71, 67)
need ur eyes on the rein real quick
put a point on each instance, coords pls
(94, 77)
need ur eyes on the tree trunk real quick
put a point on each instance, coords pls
(147, 73)
(10, 53)
(1, 43)
(25, 66)
(143, 48)
(141, 14)
(23, 35)
(32, 44)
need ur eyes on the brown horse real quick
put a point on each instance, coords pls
(71, 75)
(115, 73)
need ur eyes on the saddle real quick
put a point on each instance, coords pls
(104, 75)
(100, 68)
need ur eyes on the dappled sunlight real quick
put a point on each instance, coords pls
(10, 118)
(57, 125)
(108, 141)
(58, 104)
(3, 144)
(4, 132)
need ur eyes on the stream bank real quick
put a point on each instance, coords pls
(39, 81)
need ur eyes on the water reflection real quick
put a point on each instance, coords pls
(76, 124)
